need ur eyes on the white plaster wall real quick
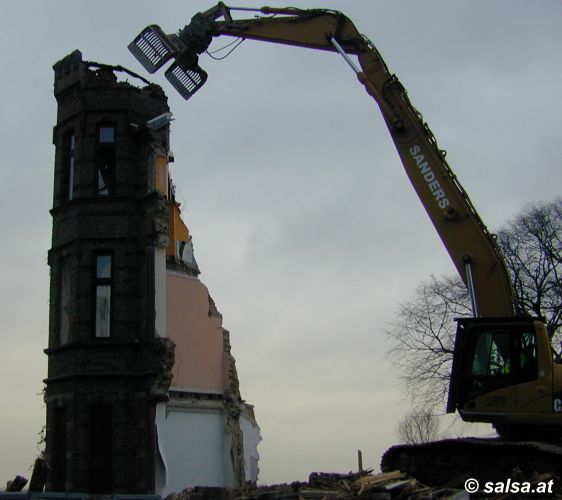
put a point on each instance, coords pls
(229, 477)
(251, 439)
(159, 464)
(192, 446)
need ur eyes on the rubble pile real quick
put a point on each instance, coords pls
(320, 485)
(362, 485)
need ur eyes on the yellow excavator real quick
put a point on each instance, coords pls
(503, 369)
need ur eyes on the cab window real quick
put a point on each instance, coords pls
(500, 359)
(492, 356)
(528, 357)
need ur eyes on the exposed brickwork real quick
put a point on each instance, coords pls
(119, 378)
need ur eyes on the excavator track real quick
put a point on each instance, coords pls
(441, 462)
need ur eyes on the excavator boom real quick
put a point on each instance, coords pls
(467, 240)
(490, 381)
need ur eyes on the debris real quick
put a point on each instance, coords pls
(329, 486)
(16, 484)
(39, 475)
(329, 479)
(371, 481)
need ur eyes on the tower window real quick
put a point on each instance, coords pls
(106, 135)
(105, 160)
(58, 463)
(103, 296)
(69, 150)
(65, 301)
(101, 449)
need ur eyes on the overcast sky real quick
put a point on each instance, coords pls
(306, 229)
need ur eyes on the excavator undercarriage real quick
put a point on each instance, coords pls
(486, 459)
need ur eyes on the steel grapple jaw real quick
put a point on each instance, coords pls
(186, 77)
(153, 49)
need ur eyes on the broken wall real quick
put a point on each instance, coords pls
(197, 334)
(207, 435)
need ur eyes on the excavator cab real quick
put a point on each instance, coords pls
(503, 374)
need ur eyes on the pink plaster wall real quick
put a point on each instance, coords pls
(198, 336)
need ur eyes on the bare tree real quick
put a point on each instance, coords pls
(422, 336)
(532, 248)
(418, 426)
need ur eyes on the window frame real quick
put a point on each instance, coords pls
(103, 282)
(69, 164)
(105, 159)
(102, 126)
(65, 278)
(487, 382)
(101, 448)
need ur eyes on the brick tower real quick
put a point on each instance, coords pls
(108, 365)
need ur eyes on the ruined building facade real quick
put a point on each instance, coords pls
(142, 394)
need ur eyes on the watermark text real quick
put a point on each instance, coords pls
(510, 486)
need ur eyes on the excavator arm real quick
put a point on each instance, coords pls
(479, 389)
(467, 240)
